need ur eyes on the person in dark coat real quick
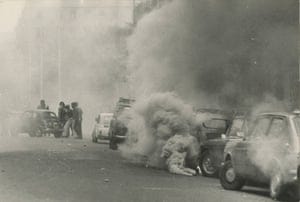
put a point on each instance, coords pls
(68, 117)
(77, 118)
(61, 113)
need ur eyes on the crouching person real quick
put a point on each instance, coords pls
(177, 150)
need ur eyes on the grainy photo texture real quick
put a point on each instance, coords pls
(149, 101)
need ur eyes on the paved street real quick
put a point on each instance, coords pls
(49, 169)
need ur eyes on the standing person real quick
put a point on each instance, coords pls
(42, 105)
(61, 113)
(77, 118)
(68, 121)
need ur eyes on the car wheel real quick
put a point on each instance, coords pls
(113, 145)
(206, 165)
(276, 185)
(94, 138)
(31, 134)
(57, 134)
(229, 179)
(38, 133)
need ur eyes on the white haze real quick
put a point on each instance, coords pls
(91, 39)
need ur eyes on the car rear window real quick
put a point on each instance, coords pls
(48, 115)
(236, 127)
(106, 121)
(261, 127)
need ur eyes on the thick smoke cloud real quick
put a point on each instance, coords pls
(214, 53)
(159, 133)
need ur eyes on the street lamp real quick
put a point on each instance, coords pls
(41, 63)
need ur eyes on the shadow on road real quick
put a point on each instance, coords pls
(265, 193)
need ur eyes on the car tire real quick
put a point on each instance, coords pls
(31, 134)
(38, 133)
(113, 145)
(206, 167)
(229, 179)
(35, 133)
(94, 139)
(276, 185)
(58, 134)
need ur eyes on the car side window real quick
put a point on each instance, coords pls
(261, 127)
(236, 127)
(279, 129)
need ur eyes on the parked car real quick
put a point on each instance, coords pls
(101, 128)
(117, 130)
(212, 150)
(268, 154)
(38, 123)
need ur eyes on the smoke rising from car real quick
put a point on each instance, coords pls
(154, 122)
(213, 53)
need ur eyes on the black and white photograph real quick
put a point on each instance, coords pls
(149, 101)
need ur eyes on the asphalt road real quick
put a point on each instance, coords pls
(49, 169)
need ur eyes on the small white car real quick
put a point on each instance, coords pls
(101, 127)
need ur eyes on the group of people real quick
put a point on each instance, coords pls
(71, 119)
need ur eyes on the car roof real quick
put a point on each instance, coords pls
(286, 114)
(106, 114)
(39, 110)
(217, 113)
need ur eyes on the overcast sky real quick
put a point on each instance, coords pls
(10, 11)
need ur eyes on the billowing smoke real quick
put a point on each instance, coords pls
(272, 158)
(216, 53)
(159, 133)
(233, 54)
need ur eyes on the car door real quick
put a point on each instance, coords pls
(279, 144)
(244, 149)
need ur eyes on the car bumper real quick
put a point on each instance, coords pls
(51, 130)
(118, 138)
(102, 137)
(292, 176)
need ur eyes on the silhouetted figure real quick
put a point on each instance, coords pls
(77, 118)
(68, 121)
(61, 113)
(43, 105)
